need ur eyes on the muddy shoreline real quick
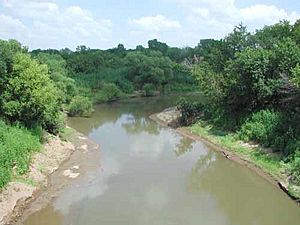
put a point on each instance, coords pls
(19, 196)
(168, 118)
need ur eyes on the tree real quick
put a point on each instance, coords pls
(140, 48)
(269, 36)
(29, 95)
(59, 74)
(158, 46)
(238, 40)
(7, 51)
(152, 68)
(215, 52)
(212, 84)
(82, 48)
(253, 83)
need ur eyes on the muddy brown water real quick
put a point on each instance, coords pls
(148, 174)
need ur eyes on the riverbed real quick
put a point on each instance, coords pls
(146, 174)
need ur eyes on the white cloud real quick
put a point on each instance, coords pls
(215, 18)
(47, 24)
(11, 27)
(267, 13)
(50, 26)
(156, 23)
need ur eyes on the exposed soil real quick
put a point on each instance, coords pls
(19, 196)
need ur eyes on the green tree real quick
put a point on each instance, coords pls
(211, 83)
(254, 84)
(151, 68)
(29, 95)
(158, 46)
(238, 40)
(59, 74)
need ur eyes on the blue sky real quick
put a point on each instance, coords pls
(105, 23)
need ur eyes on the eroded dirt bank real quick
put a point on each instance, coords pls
(20, 195)
(170, 117)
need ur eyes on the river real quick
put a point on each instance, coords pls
(148, 174)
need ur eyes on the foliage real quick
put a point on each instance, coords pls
(190, 111)
(125, 85)
(211, 83)
(253, 83)
(158, 46)
(149, 90)
(59, 74)
(150, 68)
(295, 166)
(296, 76)
(80, 106)
(261, 127)
(16, 145)
(112, 91)
(29, 95)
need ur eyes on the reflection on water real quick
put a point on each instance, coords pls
(147, 174)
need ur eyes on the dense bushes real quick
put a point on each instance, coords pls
(80, 106)
(107, 93)
(16, 145)
(190, 111)
(148, 90)
(295, 165)
(111, 91)
(28, 95)
(262, 127)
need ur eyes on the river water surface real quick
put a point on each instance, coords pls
(146, 174)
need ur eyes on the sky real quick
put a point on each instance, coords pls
(106, 23)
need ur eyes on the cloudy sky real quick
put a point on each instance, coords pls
(105, 23)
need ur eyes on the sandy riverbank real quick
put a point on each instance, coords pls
(16, 197)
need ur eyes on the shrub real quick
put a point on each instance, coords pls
(111, 91)
(148, 90)
(261, 126)
(100, 97)
(80, 106)
(125, 85)
(295, 165)
(16, 145)
(190, 111)
(55, 122)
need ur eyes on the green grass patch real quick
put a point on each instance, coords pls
(268, 162)
(26, 181)
(16, 146)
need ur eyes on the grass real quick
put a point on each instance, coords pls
(26, 181)
(16, 147)
(270, 163)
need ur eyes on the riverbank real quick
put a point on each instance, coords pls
(22, 191)
(262, 161)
